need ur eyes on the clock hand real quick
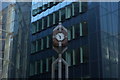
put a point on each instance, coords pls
(60, 36)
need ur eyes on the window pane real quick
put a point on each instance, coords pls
(84, 28)
(81, 30)
(39, 45)
(44, 42)
(35, 67)
(81, 55)
(47, 64)
(85, 54)
(77, 30)
(40, 10)
(73, 32)
(51, 4)
(44, 65)
(34, 12)
(45, 22)
(40, 24)
(77, 56)
(69, 11)
(68, 58)
(48, 41)
(84, 6)
(41, 66)
(62, 14)
(69, 34)
(76, 8)
(33, 47)
(73, 57)
(50, 63)
(38, 67)
(51, 19)
(48, 21)
(34, 27)
(56, 17)
(32, 69)
(45, 6)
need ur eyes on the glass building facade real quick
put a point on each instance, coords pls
(93, 43)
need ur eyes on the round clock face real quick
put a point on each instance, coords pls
(60, 36)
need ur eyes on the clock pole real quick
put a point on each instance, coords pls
(60, 41)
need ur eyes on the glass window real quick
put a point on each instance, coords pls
(45, 42)
(81, 55)
(56, 17)
(32, 69)
(40, 25)
(45, 22)
(81, 30)
(47, 65)
(34, 27)
(37, 28)
(51, 19)
(69, 11)
(77, 56)
(45, 6)
(40, 10)
(34, 12)
(69, 34)
(77, 8)
(48, 21)
(85, 54)
(84, 6)
(62, 14)
(55, 3)
(39, 45)
(68, 58)
(33, 47)
(44, 65)
(48, 41)
(84, 28)
(73, 32)
(38, 67)
(42, 44)
(50, 63)
(73, 57)
(51, 4)
(41, 66)
(77, 30)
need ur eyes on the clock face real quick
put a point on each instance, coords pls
(60, 36)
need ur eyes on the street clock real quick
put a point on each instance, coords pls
(60, 41)
(60, 36)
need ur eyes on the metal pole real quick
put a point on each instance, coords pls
(60, 67)
(66, 68)
(53, 68)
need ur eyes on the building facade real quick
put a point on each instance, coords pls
(16, 37)
(93, 50)
(21, 41)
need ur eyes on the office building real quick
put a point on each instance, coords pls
(93, 43)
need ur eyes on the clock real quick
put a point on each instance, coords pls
(60, 36)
